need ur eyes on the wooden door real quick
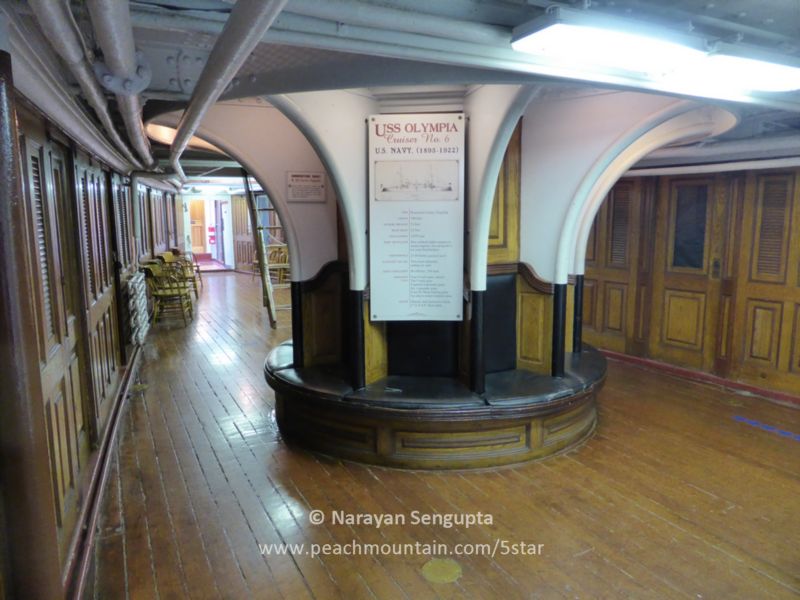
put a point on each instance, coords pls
(99, 292)
(52, 257)
(145, 223)
(197, 217)
(766, 327)
(610, 282)
(243, 248)
(219, 231)
(690, 216)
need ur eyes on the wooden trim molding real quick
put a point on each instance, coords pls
(80, 556)
(648, 363)
(527, 273)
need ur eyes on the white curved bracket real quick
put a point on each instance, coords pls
(493, 112)
(331, 121)
(700, 122)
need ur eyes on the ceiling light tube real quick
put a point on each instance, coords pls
(602, 44)
(590, 40)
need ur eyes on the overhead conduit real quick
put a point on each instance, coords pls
(249, 20)
(114, 31)
(56, 22)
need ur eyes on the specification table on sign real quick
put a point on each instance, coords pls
(416, 217)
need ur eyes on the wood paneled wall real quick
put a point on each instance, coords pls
(80, 249)
(376, 350)
(702, 272)
(322, 319)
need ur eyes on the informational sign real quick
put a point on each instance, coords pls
(416, 216)
(305, 186)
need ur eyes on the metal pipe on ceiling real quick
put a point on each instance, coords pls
(296, 30)
(58, 27)
(114, 31)
(249, 20)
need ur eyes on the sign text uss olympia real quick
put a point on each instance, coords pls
(416, 200)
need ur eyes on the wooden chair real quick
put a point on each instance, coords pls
(182, 267)
(170, 294)
(279, 263)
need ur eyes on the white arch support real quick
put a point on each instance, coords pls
(334, 123)
(572, 147)
(694, 124)
(493, 112)
(268, 145)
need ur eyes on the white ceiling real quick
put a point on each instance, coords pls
(380, 44)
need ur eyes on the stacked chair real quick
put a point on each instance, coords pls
(184, 267)
(169, 290)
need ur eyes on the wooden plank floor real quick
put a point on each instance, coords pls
(676, 496)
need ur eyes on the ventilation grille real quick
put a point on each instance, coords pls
(41, 244)
(772, 227)
(620, 216)
(87, 237)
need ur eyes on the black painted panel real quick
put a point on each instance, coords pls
(500, 323)
(423, 348)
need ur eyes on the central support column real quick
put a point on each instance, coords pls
(577, 323)
(356, 346)
(559, 328)
(477, 370)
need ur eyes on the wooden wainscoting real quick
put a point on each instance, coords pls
(534, 327)
(701, 272)
(322, 317)
(376, 348)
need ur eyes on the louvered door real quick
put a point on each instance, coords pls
(686, 271)
(55, 297)
(98, 281)
(766, 348)
(243, 247)
(610, 281)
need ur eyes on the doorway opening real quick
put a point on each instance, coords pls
(209, 215)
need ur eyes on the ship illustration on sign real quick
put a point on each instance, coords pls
(424, 180)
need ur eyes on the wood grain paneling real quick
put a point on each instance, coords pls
(591, 245)
(717, 280)
(322, 322)
(504, 223)
(684, 318)
(614, 304)
(763, 331)
(794, 363)
(534, 328)
(376, 350)
(590, 303)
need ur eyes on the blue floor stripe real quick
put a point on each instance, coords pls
(770, 428)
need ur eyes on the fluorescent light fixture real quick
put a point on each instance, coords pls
(724, 72)
(583, 41)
